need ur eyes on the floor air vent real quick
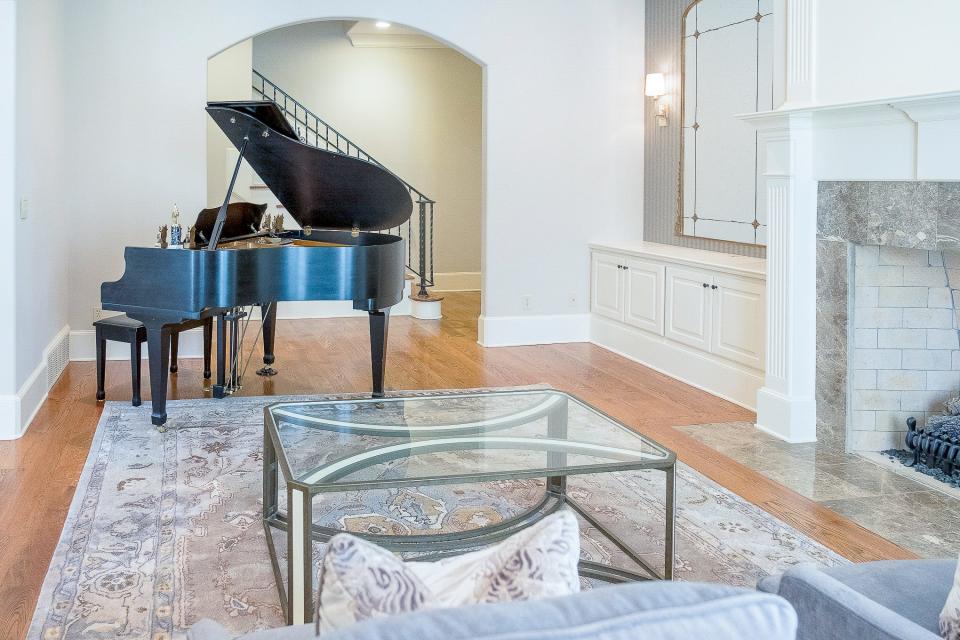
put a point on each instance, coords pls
(57, 359)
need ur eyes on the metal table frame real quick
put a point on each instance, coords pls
(296, 597)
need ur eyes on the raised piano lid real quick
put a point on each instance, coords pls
(319, 189)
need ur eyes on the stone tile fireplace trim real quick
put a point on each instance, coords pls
(921, 216)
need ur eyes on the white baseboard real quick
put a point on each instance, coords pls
(509, 331)
(17, 411)
(457, 281)
(10, 417)
(83, 344)
(792, 420)
(308, 309)
(722, 378)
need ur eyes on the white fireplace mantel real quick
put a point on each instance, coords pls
(906, 138)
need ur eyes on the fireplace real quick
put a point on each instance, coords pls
(887, 347)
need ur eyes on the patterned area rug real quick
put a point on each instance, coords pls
(165, 528)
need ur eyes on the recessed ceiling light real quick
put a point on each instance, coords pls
(382, 24)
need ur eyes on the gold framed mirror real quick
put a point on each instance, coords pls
(726, 67)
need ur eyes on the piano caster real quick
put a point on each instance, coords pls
(222, 391)
(161, 429)
(266, 371)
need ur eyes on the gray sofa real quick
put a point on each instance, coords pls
(891, 600)
(652, 611)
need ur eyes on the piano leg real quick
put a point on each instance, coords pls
(268, 311)
(379, 321)
(174, 350)
(207, 339)
(158, 345)
(220, 389)
(101, 363)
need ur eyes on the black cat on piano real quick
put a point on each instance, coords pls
(339, 201)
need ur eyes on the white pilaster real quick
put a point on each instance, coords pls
(799, 49)
(786, 405)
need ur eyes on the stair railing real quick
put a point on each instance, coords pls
(313, 130)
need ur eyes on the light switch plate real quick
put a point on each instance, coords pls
(24, 208)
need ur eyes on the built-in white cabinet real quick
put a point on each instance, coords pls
(643, 306)
(688, 307)
(607, 298)
(629, 290)
(696, 315)
(718, 313)
(738, 319)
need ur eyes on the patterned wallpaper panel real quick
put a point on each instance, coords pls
(662, 144)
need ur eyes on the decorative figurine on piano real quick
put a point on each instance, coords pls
(266, 225)
(176, 231)
(191, 240)
(277, 229)
(162, 236)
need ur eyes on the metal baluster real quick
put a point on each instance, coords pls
(431, 243)
(423, 250)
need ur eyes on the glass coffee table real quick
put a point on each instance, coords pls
(424, 440)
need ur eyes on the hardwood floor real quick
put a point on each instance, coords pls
(39, 472)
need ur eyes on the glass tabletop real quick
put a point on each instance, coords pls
(399, 441)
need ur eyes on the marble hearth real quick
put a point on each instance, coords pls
(887, 253)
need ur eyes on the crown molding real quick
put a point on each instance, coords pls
(923, 108)
(391, 41)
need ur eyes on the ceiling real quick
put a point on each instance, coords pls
(365, 33)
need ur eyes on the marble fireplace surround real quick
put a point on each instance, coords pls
(920, 215)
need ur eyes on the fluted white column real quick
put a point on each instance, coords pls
(786, 405)
(798, 51)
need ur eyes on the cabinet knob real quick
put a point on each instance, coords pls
(619, 266)
(705, 285)
(626, 268)
(713, 286)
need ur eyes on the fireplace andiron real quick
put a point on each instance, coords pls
(938, 449)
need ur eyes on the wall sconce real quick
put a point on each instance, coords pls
(655, 88)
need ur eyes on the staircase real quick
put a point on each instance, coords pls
(417, 232)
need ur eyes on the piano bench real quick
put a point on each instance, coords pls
(121, 328)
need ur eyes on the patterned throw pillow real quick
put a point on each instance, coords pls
(359, 580)
(950, 615)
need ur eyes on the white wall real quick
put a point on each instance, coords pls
(418, 111)
(876, 49)
(228, 78)
(33, 251)
(8, 41)
(563, 119)
(41, 303)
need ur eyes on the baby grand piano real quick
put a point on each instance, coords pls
(339, 201)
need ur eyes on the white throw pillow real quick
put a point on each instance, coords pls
(359, 580)
(950, 615)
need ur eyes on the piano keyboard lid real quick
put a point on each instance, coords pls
(320, 189)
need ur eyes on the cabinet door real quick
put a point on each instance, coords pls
(643, 306)
(606, 290)
(688, 306)
(738, 320)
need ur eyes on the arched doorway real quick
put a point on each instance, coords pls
(387, 91)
